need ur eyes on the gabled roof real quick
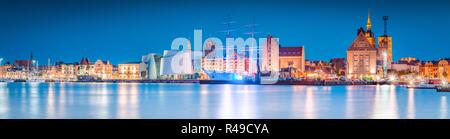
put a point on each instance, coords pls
(84, 61)
(361, 43)
(22, 63)
(337, 60)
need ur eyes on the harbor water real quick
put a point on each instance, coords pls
(200, 101)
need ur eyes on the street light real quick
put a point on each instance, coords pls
(392, 78)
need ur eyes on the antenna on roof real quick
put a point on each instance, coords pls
(385, 19)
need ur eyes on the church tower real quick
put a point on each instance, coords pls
(369, 24)
(385, 47)
(369, 34)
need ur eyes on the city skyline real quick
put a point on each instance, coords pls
(107, 30)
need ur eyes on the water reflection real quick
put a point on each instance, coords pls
(34, 100)
(443, 107)
(99, 100)
(411, 108)
(62, 97)
(349, 106)
(297, 101)
(385, 106)
(51, 101)
(309, 104)
(248, 102)
(204, 102)
(226, 103)
(128, 106)
(131, 100)
(4, 107)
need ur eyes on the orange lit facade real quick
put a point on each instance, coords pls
(408, 59)
(4, 71)
(7, 72)
(361, 57)
(67, 71)
(103, 69)
(129, 71)
(444, 69)
(318, 70)
(385, 50)
(212, 61)
(436, 69)
(292, 62)
(429, 70)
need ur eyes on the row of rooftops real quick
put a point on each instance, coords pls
(27, 63)
(343, 60)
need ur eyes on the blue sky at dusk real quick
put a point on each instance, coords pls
(122, 31)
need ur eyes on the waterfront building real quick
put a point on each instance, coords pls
(410, 65)
(66, 71)
(406, 70)
(318, 70)
(405, 67)
(24, 65)
(292, 61)
(444, 69)
(212, 61)
(361, 57)
(115, 72)
(385, 49)
(436, 69)
(338, 66)
(129, 71)
(270, 56)
(365, 59)
(98, 70)
(47, 72)
(9, 71)
(429, 70)
(86, 68)
(4, 69)
(103, 69)
(17, 74)
(235, 61)
(150, 66)
(177, 65)
(21, 69)
(228, 63)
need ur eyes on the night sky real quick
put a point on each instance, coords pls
(122, 31)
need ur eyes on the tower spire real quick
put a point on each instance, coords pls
(369, 24)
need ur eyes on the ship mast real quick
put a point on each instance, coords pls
(252, 35)
(228, 31)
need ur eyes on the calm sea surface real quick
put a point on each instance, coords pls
(194, 101)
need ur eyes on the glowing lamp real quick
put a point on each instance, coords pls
(237, 77)
(392, 78)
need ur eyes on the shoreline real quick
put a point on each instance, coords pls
(232, 82)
